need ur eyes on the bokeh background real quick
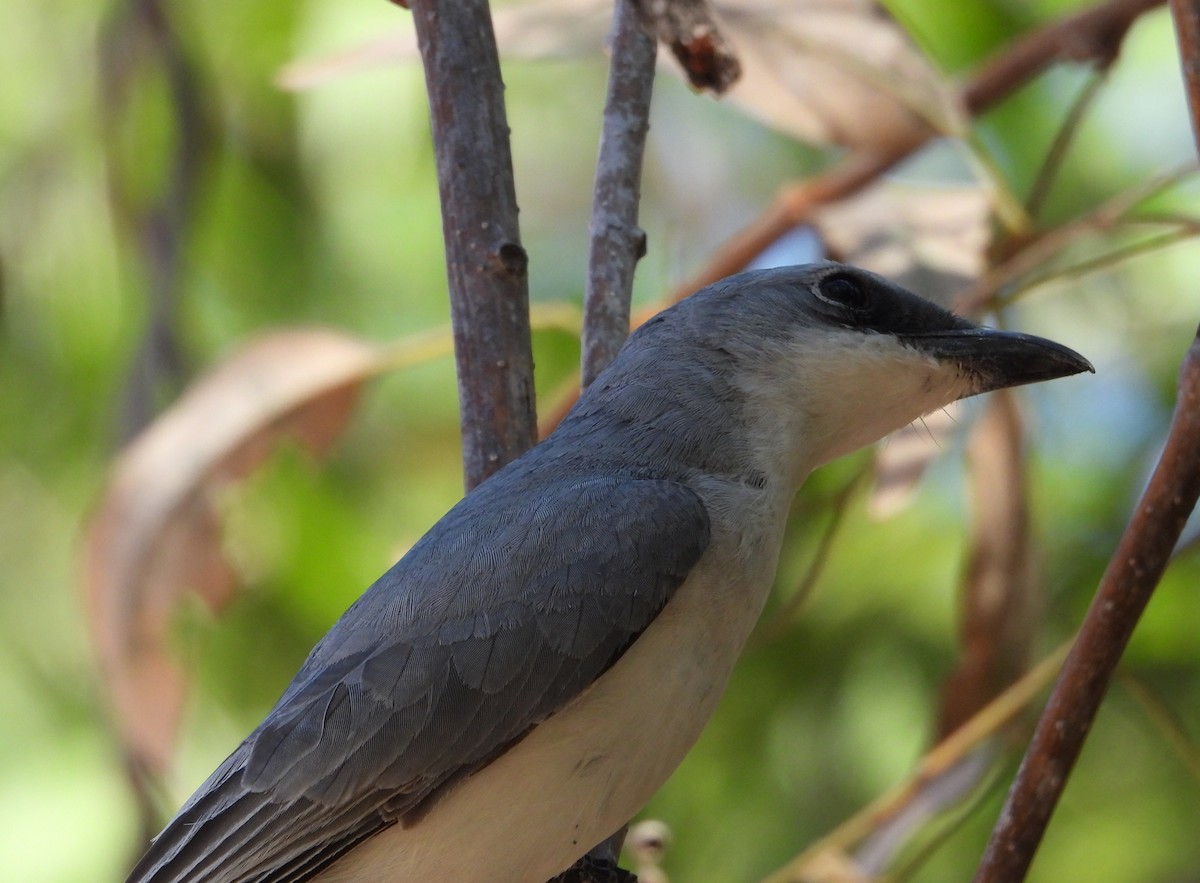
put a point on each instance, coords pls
(136, 222)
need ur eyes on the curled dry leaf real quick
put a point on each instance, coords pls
(822, 71)
(155, 534)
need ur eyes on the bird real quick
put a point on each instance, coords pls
(521, 682)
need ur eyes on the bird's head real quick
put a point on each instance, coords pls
(828, 358)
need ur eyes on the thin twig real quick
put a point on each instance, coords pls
(617, 243)
(1035, 251)
(999, 586)
(1063, 139)
(1165, 721)
(486, 265)
(1093, 34)
(1132, 574)
(160, 230)
(1102, 261)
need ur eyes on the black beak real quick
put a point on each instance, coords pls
(998, 359)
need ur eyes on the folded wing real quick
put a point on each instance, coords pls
(518, 599)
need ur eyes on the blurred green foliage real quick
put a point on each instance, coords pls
(321, 207)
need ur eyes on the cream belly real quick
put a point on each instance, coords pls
(583, 773)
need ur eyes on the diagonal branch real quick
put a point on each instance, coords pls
(1134, 571)
(486, 265)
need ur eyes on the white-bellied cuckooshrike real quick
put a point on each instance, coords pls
(482, 713)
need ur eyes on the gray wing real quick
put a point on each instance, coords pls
(515, 601)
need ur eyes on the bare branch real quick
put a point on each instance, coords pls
(839, 505)
(486, 265)
(137, 42)
(1092, 35)
(1132, 574)
(1187, 32)
(617, 243)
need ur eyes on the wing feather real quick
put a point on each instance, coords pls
(498, 617)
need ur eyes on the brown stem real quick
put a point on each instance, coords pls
(1187, 32)
(617, 243)
(1126, 587)
(486, 265)
(1094, 34)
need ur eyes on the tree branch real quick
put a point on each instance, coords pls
(1187, 32)
(486, 265)
(1134, 571)
(617, 243)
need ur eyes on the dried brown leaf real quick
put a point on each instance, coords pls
(823, 71)
(155, 534)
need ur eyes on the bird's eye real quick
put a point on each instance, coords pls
(843, 290)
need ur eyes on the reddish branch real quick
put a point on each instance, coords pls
(1187, 32)
(617, 243)
(1134, 571)
(485, 263)
(1094, 34)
